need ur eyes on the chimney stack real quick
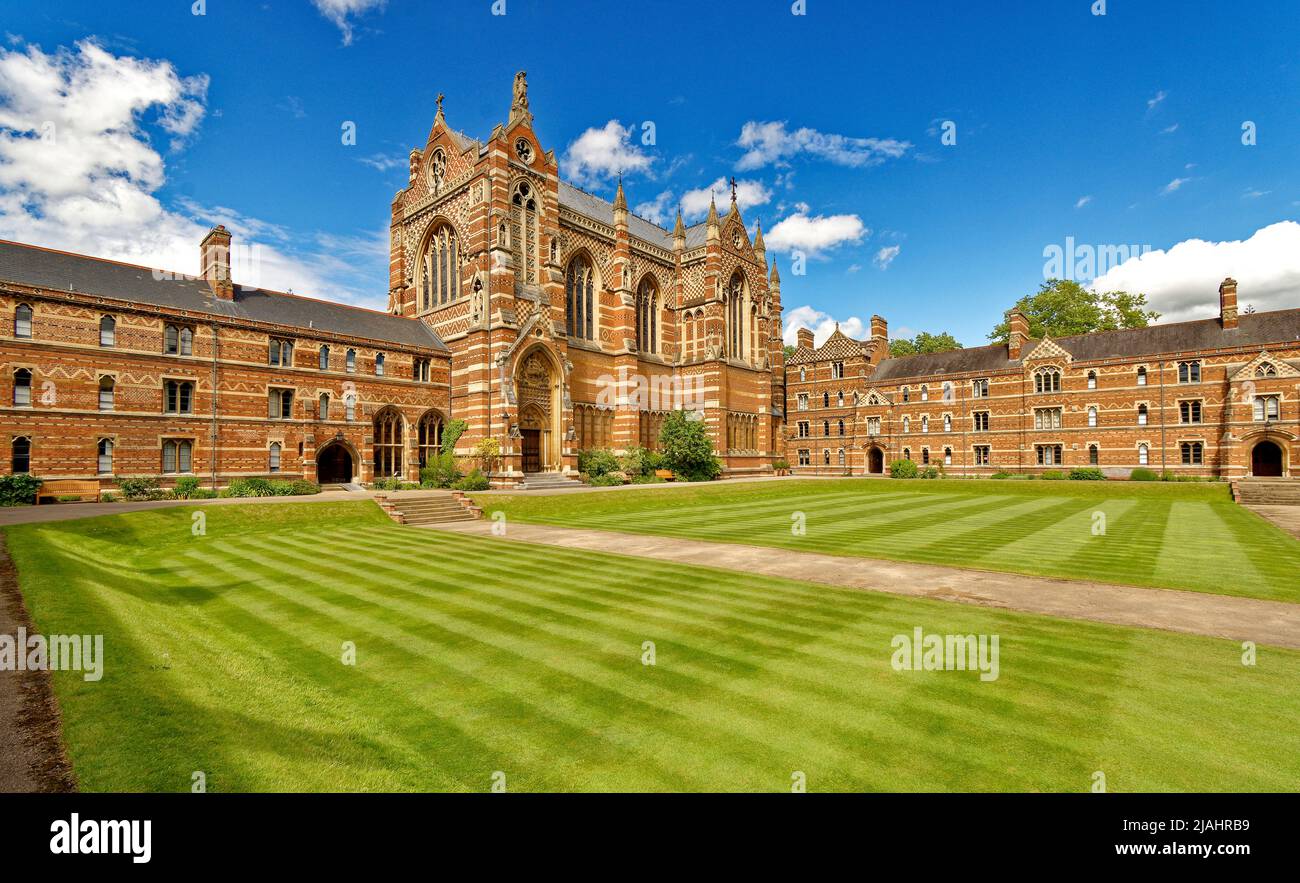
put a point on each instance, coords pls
(1228, 303)
(805, 338)
(215, 260)
(1019, 332)
(879, 328)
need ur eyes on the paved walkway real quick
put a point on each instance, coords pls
(1285, 517)
(1221, 616)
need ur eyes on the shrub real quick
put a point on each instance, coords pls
(902, 469)
(1000, 475)
(488, 453)
(1053, 475)
(392, 483)
(203, 493)
(186, 485)
(687, 448)
(597, 461)
(249, 487)
(781, 465)
(929, 472)
(647, 479)
(1142, 474)
(108, 497)
(609, 479)
(18, 490)
(440, 474)
(475, 481)
(639, 461)
(1087, 473)
(303, 488)
(141, 489)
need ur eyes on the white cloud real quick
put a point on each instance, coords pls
(78, 172)
(695, 203)
(341, 13)
(886, 256)
(658, 210)
(1159, 97)
(1169, 130)
(1174, 185)
(384, 162)
(822, 325)
(1083, 200)
(815, 234)
(1253, 193)
(768, 143)
(599, 154)
(1183, 282)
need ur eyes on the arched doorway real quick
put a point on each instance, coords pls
(1266, 460)
(876, 461)
(537, 384)
(334, 464)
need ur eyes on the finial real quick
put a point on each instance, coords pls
(733, 189)
(439, 102)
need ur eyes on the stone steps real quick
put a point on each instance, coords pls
(434, 508)
(1268, 492)
(545, 480)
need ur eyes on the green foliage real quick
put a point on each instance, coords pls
(688, 449)
(18, 490)
(108, 497)
(639, 462)
(488, 453)
(262, 487)
(475, 481)
(789, 351)
(1143, 474)
(136, 489)
(1000, 475)
(781, 465)
(443, 471)
(597, 461)
(928, 472)
(1087, 473)
(609, 479)
(902, 469)
(1062, 307)
(186, 485)
(924, 342)
(1053, 475)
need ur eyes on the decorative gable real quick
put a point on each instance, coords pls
(1264, 366)
(1048, 349)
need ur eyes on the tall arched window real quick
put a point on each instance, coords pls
(429, 438)
(107, 331)
(23, 321)
(1143, 455)
(324, 358)
(736, 313)
(1142, 415)
(22, 388)
(440, 268)
(524, 232)
(1092, 380)
(21, 455)
(647, 316)
(104, 457)
(580, 288)
(379, 364)
(388, 443)
(274, 460)
(350, 407)
(352, 361)
(107, 389)
(323, 407)
(1092, 416)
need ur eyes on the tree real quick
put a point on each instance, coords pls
(789, 351)
(925, 342)
(1062, 307)
(687, 448)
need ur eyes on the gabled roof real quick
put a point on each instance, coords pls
(602, 210)
(38, 267)
(1253, 329)
(838, 346)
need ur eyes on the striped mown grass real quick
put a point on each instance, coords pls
(1181, 536)
(475, 656)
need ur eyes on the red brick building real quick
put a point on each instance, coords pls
(1213, 397)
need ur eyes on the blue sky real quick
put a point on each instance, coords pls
(1122, 129)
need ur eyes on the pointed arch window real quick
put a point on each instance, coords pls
(524, 232)
(1265, 369)
(104, 457)
(274, 464)
(23, 321)
(22, 388)
(107, 331)
(324, 358)
(429, 438)
(647, 316)
(20, 450)
(107, 391)
(388, 444)
(735, 298)
(440, 268)
(580, 288)
(323, 407)
(352, 361)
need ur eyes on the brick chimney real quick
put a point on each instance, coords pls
(879, 327)
(805, 338)
(1019, 332)
(1228, 303)
(214, 258)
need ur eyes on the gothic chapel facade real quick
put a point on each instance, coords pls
(574, 324)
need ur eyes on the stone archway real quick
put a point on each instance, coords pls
(1266, 460)
(875, 461)
(541, 411)
(336, 463)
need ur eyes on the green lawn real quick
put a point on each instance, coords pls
(1182, 536)
(475, 656)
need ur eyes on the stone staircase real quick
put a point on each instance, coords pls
(1267, 492)
(430, 508)
(546, 480)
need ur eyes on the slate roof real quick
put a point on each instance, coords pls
(838, 346)
(1253, 330)
(601, 210)
(61, 271)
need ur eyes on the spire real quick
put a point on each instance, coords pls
(713, 212)
(760, 249)
(620, 201)
(774, 276)
(438, 117)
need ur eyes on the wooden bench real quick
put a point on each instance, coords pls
(68, 487)
(665, 474)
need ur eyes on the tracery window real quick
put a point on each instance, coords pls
(580, 289)
(440, 268)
